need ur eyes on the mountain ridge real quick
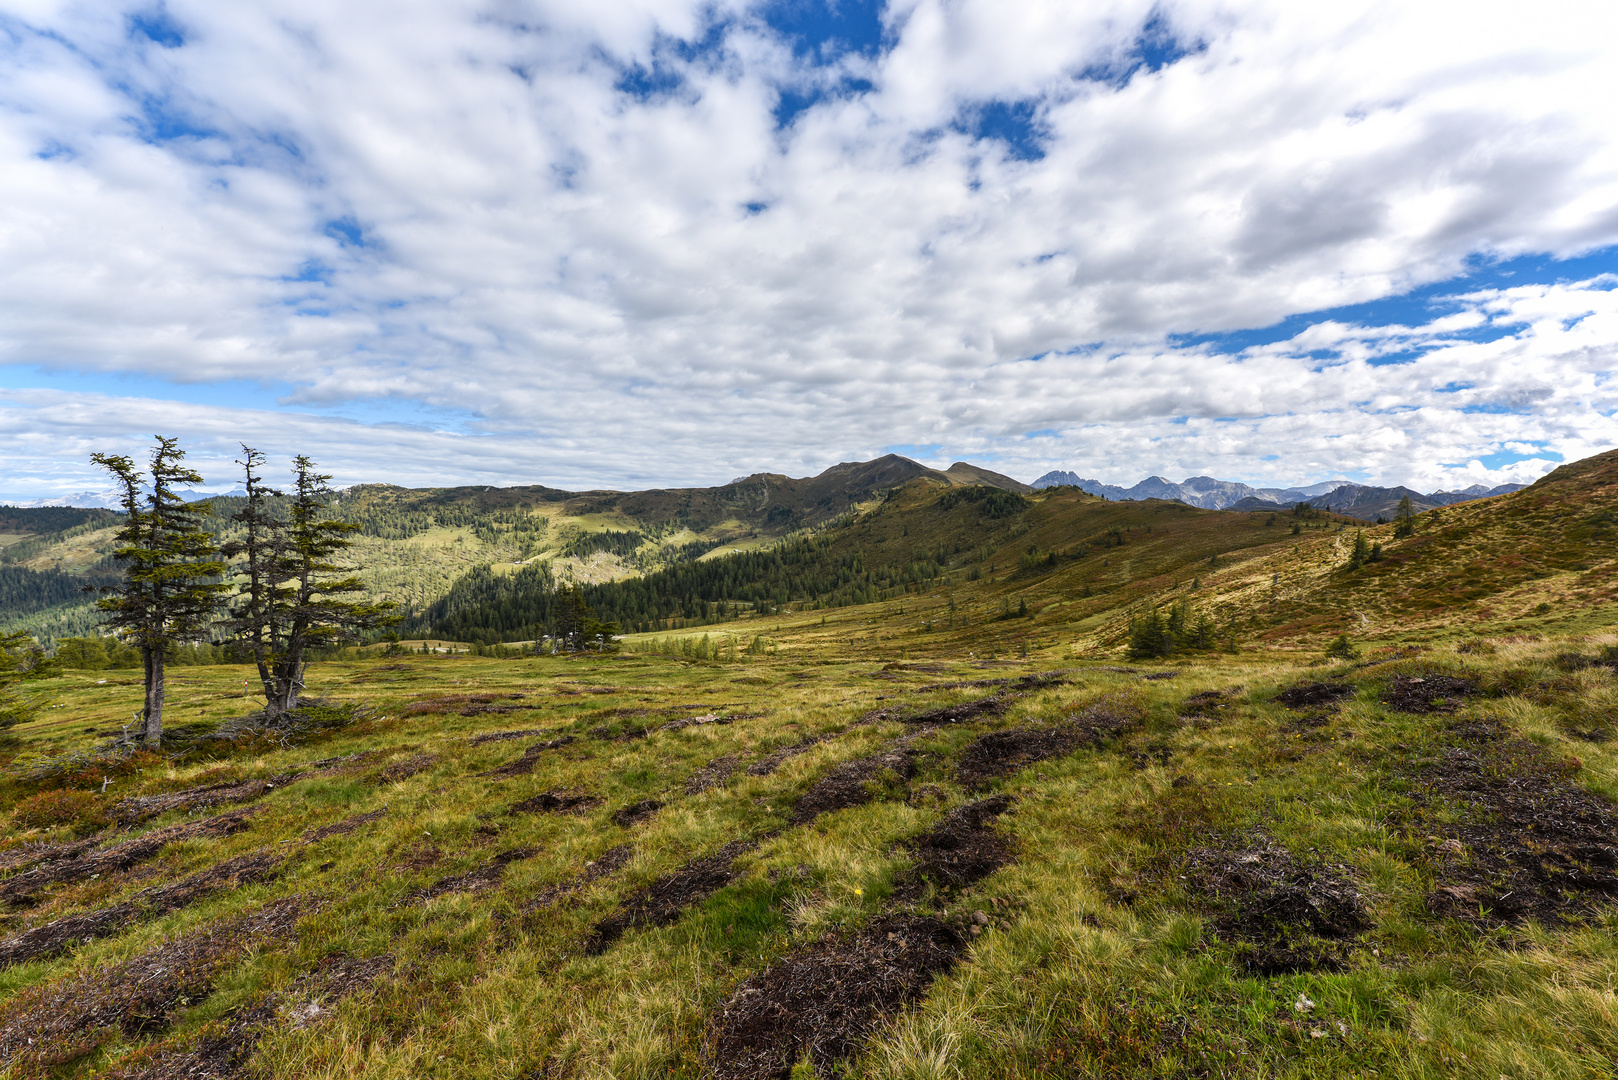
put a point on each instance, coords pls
(1362, 500)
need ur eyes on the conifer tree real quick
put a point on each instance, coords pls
(20, 658)
(263, 544)
(295, 593)
(171, 585)
(1362, 551)
(1404, 519)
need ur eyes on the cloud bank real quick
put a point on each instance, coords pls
(667, 243)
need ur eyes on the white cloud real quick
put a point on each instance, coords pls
(577, 268)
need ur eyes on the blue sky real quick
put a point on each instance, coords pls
(637, 244)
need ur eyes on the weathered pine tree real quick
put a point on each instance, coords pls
(171, 585)
(261, 549)
(295, 596)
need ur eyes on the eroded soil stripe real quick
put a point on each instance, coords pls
(346, 826)
(24, 888)
(60, 935)
(661, 902)
(827, 1000)
(530, 757)
(478, 879)
(847, 784)
(223, 1051)
(146, 807)
(60, 1021)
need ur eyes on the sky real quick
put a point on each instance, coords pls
(660, 243)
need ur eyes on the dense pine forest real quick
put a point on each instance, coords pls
(486, 607)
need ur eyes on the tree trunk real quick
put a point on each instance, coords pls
(288, 684)
(154, 698)
(266, 679)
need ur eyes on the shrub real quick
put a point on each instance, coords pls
(1342, 649)
(50, 808)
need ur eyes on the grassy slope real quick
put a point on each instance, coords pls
(1100, 959)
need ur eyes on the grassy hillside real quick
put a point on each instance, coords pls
(925, 834)
(415, 544)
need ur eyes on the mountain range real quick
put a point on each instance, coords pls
(1344, 496)
(784, 499)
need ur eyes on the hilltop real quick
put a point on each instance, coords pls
(935, 567)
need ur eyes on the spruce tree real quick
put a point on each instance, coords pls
(20, 658)
(1404, 519)
(263, 546)
(171, 585)
(296, 592)
(1361, 553)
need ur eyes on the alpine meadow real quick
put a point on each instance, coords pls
(889, 772)
(808, 540)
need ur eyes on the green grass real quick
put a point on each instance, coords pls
(1103, 956)
(1105, 963)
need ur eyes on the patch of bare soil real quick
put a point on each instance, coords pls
(982, 709)
(694, 721)
(767, 764)
(346, 826)
(405, 768)
(146, 807)
(57, 1022)
(223, 1048)
(827, 999)
(560, 801)
(1534, 844)
(466, 704)
(716, 773)
(530, 757)
(25, 888)
(1210, 703)
(1038, 681)
(605, 733)
(583, 688)
(60, 935)
(1001, 753)
(849, 784)
(1307, 722)
(1428, 694)
(419, 856)
(962, 849)
(1156, 675)
(608, 862)
(477, 879)
(1316, 695)
(1283, 915)
(636, 813)
(504, 736)
(661, 902)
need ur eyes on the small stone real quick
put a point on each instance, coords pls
(980, 918)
